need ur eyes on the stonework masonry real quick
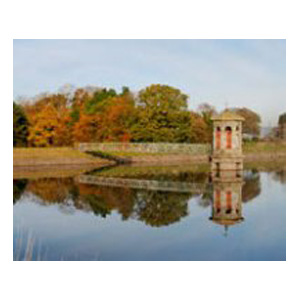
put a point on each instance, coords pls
(227, 151)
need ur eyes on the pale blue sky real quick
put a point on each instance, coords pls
(241, 73)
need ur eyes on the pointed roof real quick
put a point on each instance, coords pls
(227, 116)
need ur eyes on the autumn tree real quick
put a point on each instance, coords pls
(43, 129)
(20, 126)
(87, 128)
(202, 125)
(50, 121)
(87, 113)
(118, 119)
(199, 129)
(251, 125)
(162, 115)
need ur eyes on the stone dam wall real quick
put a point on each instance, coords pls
(151, 148)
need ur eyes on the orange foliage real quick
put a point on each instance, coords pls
(49, 122)
(118, 119)
(199, 129)
(87, 129)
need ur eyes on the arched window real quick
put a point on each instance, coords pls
(228, 137)
(218, 138)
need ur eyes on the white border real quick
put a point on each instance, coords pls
(150, 19)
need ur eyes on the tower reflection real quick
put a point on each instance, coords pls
(227, 198)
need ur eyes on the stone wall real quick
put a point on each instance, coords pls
(167, 186)
(163, 148)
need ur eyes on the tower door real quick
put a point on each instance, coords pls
(228, 137)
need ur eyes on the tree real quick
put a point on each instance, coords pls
(282, 119)
(99, 101)
(199, 129)
(44, 125)
(50, 121)
(119, 118)
(162, 115)
(20, 126)
(205, 112)
(251, 125)
(88, 128)
(282, 126)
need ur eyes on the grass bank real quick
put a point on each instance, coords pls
(72, 158)
(264, 147)
(24, 157)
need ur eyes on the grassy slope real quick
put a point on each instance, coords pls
(70, 156)
(53, 156)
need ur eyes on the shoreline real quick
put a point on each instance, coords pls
(42, 165)
(89, 162)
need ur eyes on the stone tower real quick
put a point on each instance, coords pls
(227, 151)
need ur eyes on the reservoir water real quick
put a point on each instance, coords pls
(151, 213)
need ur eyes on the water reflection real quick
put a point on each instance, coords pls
(155, 213)
(227, 199)
(156, 208)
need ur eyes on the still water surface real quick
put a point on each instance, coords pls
(151, 213)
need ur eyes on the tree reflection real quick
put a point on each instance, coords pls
(51, 190)
(280, 176)
(157, 208)
(153, 207)
(19, 186)
(102, 200)
(252, 187)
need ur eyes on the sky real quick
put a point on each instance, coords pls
(223, 73)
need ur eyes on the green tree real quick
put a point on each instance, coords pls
(282, 119)
(162, 115)
(99, 101)
(282, 126)
(20, 126)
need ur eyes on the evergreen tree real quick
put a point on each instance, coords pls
(20, 127)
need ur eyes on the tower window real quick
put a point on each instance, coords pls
(228, 137)
(218, 138)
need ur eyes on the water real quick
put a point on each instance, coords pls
(151, 213)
